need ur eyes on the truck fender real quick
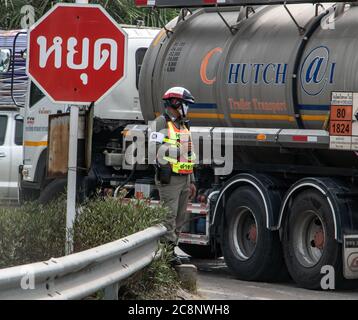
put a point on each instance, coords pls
(267, 187)
(334, 191)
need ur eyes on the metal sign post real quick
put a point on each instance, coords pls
(72, 177)
(72, 171)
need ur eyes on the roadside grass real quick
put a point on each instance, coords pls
(34, 232)
(158, 282)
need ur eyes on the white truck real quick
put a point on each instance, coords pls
(29, 151)
(115, 111)
(11, 128)
(12, 66)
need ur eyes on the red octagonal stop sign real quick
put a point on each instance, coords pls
(76, 53)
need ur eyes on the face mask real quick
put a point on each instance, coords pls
(184, 110)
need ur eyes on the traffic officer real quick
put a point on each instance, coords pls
(175, 158)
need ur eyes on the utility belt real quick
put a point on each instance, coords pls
(164, 174)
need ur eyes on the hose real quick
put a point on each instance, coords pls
(125, 181)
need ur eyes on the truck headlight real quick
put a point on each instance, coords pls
(25, 173)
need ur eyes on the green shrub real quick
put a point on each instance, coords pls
(31, 233)
(105, 220)
(34, 232)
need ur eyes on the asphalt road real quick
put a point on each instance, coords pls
(216, 282)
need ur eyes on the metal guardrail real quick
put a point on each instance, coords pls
(81, 274)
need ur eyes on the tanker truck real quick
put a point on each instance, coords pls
(277, 95)
(284, 87)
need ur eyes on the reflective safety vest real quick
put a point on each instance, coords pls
(184, 164)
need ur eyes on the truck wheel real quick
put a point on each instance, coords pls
(200, 252)
(309, 241)
(251, 251)
(53, 190)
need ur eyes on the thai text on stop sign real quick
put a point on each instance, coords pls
(56, 46)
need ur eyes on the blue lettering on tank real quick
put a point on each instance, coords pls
(257, 73)
(234, 73)
(312, 73)
(265, 76)
(317, 70)
(331, 77)
(243, 73)
(281, 74)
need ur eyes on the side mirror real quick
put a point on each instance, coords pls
(5, 60)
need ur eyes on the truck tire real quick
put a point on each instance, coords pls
(309, 242)
(53, 190)
(200, 252)
(251, 251)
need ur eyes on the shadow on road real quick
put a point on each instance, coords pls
(215, 281)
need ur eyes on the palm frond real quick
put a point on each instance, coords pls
(123, 11)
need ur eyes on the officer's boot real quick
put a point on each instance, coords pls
(175, 259)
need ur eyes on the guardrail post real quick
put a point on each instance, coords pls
(111, 292)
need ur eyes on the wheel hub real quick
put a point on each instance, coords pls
(252, 234)
(245, 233)
(308, 238)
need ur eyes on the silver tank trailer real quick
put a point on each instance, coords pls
(266, 75)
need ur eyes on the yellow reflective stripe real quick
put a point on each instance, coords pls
(205, 115)
(35, 143)
(314, 117)
(247, 116)
(170, 141)
(170, 160)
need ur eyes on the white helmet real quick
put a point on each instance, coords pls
(177, 97)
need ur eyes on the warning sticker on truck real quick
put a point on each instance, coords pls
(340, 128)
(342, 121)
(342, 98)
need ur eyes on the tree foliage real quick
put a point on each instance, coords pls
(123, 11)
